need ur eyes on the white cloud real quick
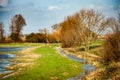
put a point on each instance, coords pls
(3, 3)
(54, 8)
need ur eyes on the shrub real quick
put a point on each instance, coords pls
(112, 47)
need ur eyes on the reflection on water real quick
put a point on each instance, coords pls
(10, 49)
(7, 57)
(87, 68)
(5, 60)
(73, 57)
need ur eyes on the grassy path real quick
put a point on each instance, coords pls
(48, 66)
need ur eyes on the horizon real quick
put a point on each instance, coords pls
(43, 14)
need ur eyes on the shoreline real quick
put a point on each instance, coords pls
(91, 59)
(23, 59)
(110, 72)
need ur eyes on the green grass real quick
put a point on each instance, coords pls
(49, 66)
(97, 43)
(96, 47)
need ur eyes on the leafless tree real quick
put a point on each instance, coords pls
(16, 27)
(56, 32)
(82, 28)
(1, 32)
(46, 32)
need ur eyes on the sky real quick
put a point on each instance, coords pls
(40, 14)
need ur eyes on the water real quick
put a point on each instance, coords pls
(7, 57)
(87, 68)
(11, 49)
(73, 57)
(5, 60)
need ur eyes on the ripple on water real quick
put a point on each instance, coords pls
(5, 61)
(7, 57)
(11, 49)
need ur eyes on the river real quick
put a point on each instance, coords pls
(87, 68)
(6, 57)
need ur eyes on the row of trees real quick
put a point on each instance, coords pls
(43, 37)
(17, 24)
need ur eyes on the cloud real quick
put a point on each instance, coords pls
(3, 3)
(51, 8)
(26, 7)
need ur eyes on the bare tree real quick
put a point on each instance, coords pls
(83, 28)
(56, 32)
(46, 35)
(1, 32)
(16, 27)
(114, 25)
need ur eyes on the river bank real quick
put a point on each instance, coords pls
(23, 59)
(86, 68)
(102, 72)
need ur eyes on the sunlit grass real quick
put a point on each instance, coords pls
(50, 66)
(97, 43)
(96, 47)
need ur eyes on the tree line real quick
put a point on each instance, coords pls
(16, 27)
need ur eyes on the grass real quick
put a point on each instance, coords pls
(96, 48)
(97, 43)
(19, 44)
(50, 66)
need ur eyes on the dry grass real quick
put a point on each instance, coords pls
(112, 48)
(110, 72)
(24, 59)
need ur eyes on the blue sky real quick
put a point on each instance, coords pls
(45, 13)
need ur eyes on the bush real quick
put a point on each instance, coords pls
(112, 47)
(35, 38)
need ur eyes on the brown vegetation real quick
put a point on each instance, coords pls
(43, 37)
(1, 32)
(112, 43)
(82, 28)
(112, 47)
